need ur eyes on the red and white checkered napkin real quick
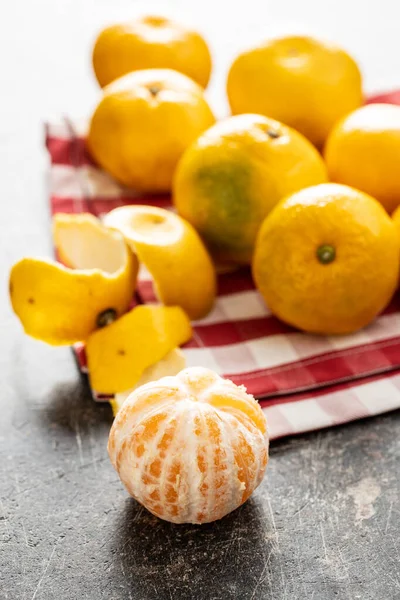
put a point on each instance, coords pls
(303, 382)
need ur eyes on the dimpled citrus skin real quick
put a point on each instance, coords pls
(61, 306)
(118, 355)
(142, 125)
(190, 448)
(396, 219)
(150, 42)
(174, 254)
(301, 81)
(363, 151)
(335, 297)
(232, 176)
(171, 364)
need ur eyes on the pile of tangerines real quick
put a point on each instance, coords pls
(316, 255)
(300, 183)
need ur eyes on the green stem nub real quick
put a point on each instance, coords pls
(326, 254)
(106, 317)
(272, 134)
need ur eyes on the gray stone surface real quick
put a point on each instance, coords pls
(325, 523)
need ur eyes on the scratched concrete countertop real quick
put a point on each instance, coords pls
(324, 525)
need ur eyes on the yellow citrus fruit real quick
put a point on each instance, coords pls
(327, 259)
(396, 218)
(150, 42)
(171, 364)
(190, 448)
(301, 81)
(142, 125)
(363, 151)
(173, 253)
(117, 355)
(61, 306)
(233, 175)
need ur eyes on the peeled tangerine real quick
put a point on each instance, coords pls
(174, 254)
(190, 448)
